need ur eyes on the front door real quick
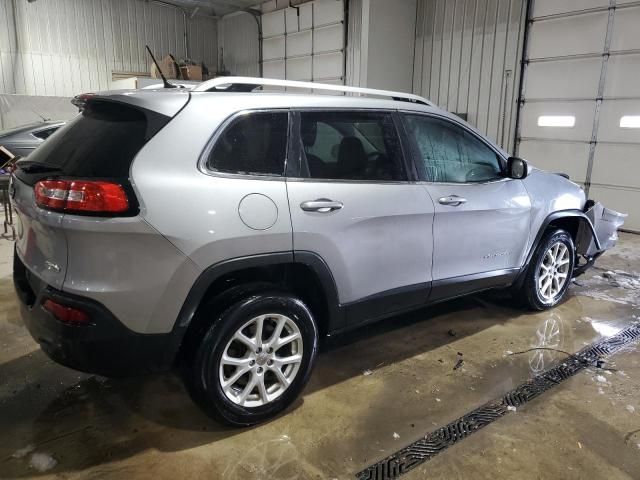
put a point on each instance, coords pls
(352, 205)
(481, 224)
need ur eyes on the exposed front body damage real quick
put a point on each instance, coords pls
(557, 200)
(602, 234)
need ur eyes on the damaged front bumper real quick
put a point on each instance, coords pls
(597, 233)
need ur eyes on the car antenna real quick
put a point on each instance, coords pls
(44, 119)
(165, 82)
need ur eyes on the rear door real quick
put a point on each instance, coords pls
(353, 205)
(482, 219)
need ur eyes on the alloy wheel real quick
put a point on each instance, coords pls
(261, 360)
(553, 272)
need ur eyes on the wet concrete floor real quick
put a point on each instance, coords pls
(372, 393)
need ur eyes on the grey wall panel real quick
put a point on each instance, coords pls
(273, 24)
(240, 42)
(467, 58)
(575, 78)
(355, 66)
(565, 157)
(64, 47)
(299, 44)
(622, 200)
(625, 32)
(588, 33)
(304, 44)
(274, 48)
(300, 68)
(329, 38)
(617, 165)
(543, 8)
(203, 41)
(623, 74)
(391, 45)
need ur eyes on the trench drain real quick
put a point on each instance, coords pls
(439, 440)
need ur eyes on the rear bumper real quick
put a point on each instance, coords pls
(106, 347)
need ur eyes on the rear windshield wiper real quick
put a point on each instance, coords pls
(32, 166)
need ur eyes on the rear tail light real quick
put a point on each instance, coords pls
(66, 314)
(81, 196)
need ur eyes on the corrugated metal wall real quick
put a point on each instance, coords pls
(355, 50)
(467, 60)
(62, 47)
(240, 44)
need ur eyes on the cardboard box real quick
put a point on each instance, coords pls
(168, 67)
(191, 72)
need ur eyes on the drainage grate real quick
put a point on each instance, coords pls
(435, 442)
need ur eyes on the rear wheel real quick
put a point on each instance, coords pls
(550, 271)
(255, 359)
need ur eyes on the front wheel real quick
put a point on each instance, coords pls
(255, 359)
(550, 271)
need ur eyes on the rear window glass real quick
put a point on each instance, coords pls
(253, 144)
(101, 142)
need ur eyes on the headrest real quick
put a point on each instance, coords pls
(308, 132)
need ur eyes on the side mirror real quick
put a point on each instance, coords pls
(517, 168)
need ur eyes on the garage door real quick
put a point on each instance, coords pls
(581, 111)
(305, 43)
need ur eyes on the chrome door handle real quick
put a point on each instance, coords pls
(322, 205)
(452, 200)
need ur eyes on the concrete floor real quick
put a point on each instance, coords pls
(371, 394)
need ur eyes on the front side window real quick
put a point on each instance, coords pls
(350, 146)
(255, 143)
(448, 153)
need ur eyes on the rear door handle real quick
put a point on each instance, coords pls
(322, 205)
(452, 200)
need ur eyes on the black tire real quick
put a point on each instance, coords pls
(202, 371)
(529, 292)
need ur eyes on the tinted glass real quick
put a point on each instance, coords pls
(350, 146)
(253, 144)
(44, 134)
(101, 142)
(448, 153)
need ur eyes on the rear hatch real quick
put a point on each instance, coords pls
(82, 169)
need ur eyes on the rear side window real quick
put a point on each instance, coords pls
(255, 143)
(101, 142)
(350, 146)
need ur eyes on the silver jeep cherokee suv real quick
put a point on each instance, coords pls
(227, 231)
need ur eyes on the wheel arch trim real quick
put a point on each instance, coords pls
(543, 228)
(214, 272)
